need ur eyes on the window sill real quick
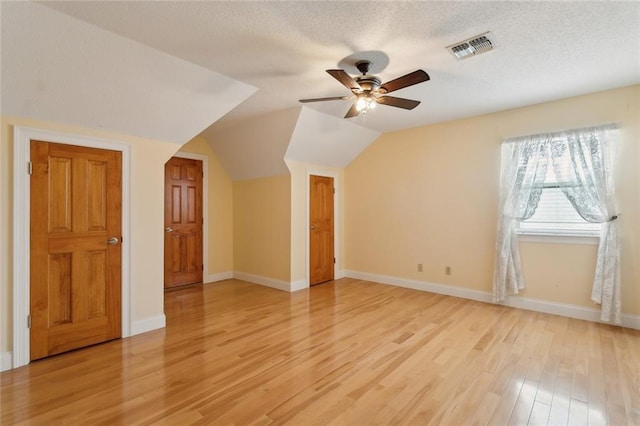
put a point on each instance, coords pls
(558, 238)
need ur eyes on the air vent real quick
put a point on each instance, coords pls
(472, 46)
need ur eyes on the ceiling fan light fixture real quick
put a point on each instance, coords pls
(472, 46)
(365, 103)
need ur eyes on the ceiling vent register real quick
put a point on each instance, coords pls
(472, 46)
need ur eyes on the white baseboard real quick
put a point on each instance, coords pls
(265, 281)
(6, 361)
(461, 292)
(299, 285)
(537, 305)
(148, 324)
(218, 277)
(278, 284)
(631, 321)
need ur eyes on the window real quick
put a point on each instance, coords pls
(545, 180)
(555, 215)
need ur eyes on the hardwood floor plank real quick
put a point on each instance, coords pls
(524, 403)
(345, 352)
(559, 412)
(539, 414)
(578, 412)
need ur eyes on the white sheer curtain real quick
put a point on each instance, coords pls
(524, 167)
(587, 181)
(589, 186)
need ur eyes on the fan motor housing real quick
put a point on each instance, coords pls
(368, 83)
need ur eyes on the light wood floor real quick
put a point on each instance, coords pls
(347, 352)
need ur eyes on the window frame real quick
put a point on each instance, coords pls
(558, 237)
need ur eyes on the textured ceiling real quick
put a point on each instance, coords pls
(234, 71)
(544, 50)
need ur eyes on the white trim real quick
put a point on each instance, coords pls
(21, 221)
(534, 237)
(537, 305)
(212, 278)
(630, 321)
(265, 281)
(336, 221)
(299, 285)
(148, 324)
(205, 205)
(5, 361)
(448, 290)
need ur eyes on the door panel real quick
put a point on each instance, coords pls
(183, 222)
(59, 289)
(75, 290)
(321, 238)
(96, 200)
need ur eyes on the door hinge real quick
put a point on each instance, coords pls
(28, 321)
(334, 190)
(334, 260)
(203, 267)
(29, 167)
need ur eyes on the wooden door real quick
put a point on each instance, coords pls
(75, 260)
(321, 262)
(183, 222)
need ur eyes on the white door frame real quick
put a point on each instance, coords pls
(336, 235)
(205, 208)
(22, 137)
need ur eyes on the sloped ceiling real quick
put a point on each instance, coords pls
(320, 138)
(249, 152)
(58, 68)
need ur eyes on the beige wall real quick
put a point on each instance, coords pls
(147, 201)
(429, 195)
(300, 216)
(262, 227)
(220, 209)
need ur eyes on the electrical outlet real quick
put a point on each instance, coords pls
(419, 267)
(447, 270)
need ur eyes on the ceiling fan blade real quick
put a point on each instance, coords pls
(410, 79)
(344, 78)
(398, 102)
(332, 98)
(353, 111)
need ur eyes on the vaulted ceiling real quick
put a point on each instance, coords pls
(169, 70)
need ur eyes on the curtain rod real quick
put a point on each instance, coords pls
(515, 139)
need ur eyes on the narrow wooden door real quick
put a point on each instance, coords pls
(321, 262)
(75, 261)
(183, 222)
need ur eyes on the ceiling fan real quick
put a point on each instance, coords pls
(368, 90)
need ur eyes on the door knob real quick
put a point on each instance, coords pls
(313, 227)
(113, 241)
(168, 229)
